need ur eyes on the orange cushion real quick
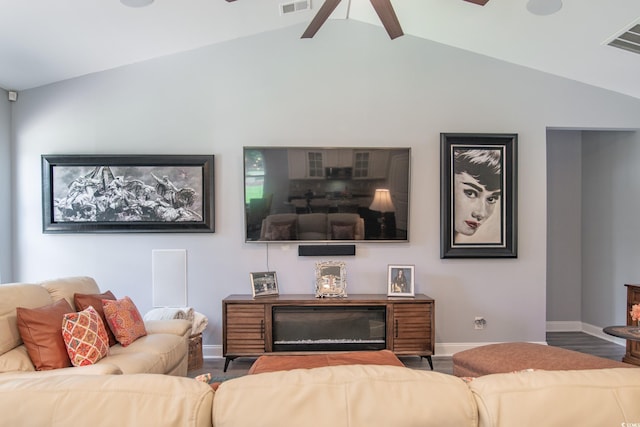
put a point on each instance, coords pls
(85, 337)
(41, 332)
(83, 301)
(271, 363)
(124, 319)
(518, 356)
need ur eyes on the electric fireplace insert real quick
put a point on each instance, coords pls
(328, 328)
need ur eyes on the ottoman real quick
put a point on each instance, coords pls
(271, 363)
(518, 356)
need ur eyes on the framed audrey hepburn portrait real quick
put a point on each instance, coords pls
(478, 195)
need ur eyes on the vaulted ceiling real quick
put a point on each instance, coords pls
(44, 41)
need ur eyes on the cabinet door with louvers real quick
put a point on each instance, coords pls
(244, 329)
(412, 328)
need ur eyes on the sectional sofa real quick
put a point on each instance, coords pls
(375, 395)
(333, 396)
(129, 388)
(164, 350)
(142, 383)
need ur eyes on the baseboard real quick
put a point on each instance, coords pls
(211, 351)
(597, 332)
(448, 349)
(441, 349)
(564, 326)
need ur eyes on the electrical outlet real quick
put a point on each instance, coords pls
(479, 323)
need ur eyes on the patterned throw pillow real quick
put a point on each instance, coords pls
(85, 336)
(124, 320)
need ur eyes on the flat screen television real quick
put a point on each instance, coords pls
(334, 194)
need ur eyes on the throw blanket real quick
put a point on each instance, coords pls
(165, 313)
(198, 320)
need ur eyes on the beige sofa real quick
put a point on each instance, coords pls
(372, 395)
(163, 351)
(313, 226)
(355, 395)
(104, 400)
(333, 396)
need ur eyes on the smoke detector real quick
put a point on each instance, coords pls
(544, 7)
(136, 3)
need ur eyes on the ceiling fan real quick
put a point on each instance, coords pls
(383, 8)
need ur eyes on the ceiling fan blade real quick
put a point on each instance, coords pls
(387, 15)
(325, 10)
(480, 2)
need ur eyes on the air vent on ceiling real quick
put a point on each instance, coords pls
(629, 40)
(295, 6)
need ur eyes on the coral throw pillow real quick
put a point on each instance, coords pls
(41, 331)
(85, 336)
(83, 301)
(124, 319)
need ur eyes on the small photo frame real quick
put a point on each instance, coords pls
(331, 279)
(401, 281)
(264, 284)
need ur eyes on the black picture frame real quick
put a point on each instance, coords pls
(485, 229)
(128, 194)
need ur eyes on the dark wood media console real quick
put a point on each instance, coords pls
(252, 327)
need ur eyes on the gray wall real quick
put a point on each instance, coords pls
(593, 181)
(5, 188)
(564, 228)
(351, 86)
(610, 206)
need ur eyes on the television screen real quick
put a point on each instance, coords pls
(326, 194)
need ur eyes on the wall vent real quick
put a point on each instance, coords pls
(629, 40)
(295, 6)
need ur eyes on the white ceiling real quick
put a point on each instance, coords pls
(44, 41)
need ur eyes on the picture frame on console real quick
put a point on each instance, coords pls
(264, 284)
(331, 279)
(128, 193)
(401, 282)
(478, 195)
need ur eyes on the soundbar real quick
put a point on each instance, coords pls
(326, 250)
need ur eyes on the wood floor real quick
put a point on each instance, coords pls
(577, 341)
(585, 343)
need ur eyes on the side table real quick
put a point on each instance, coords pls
(627, 332)
(632, 335)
